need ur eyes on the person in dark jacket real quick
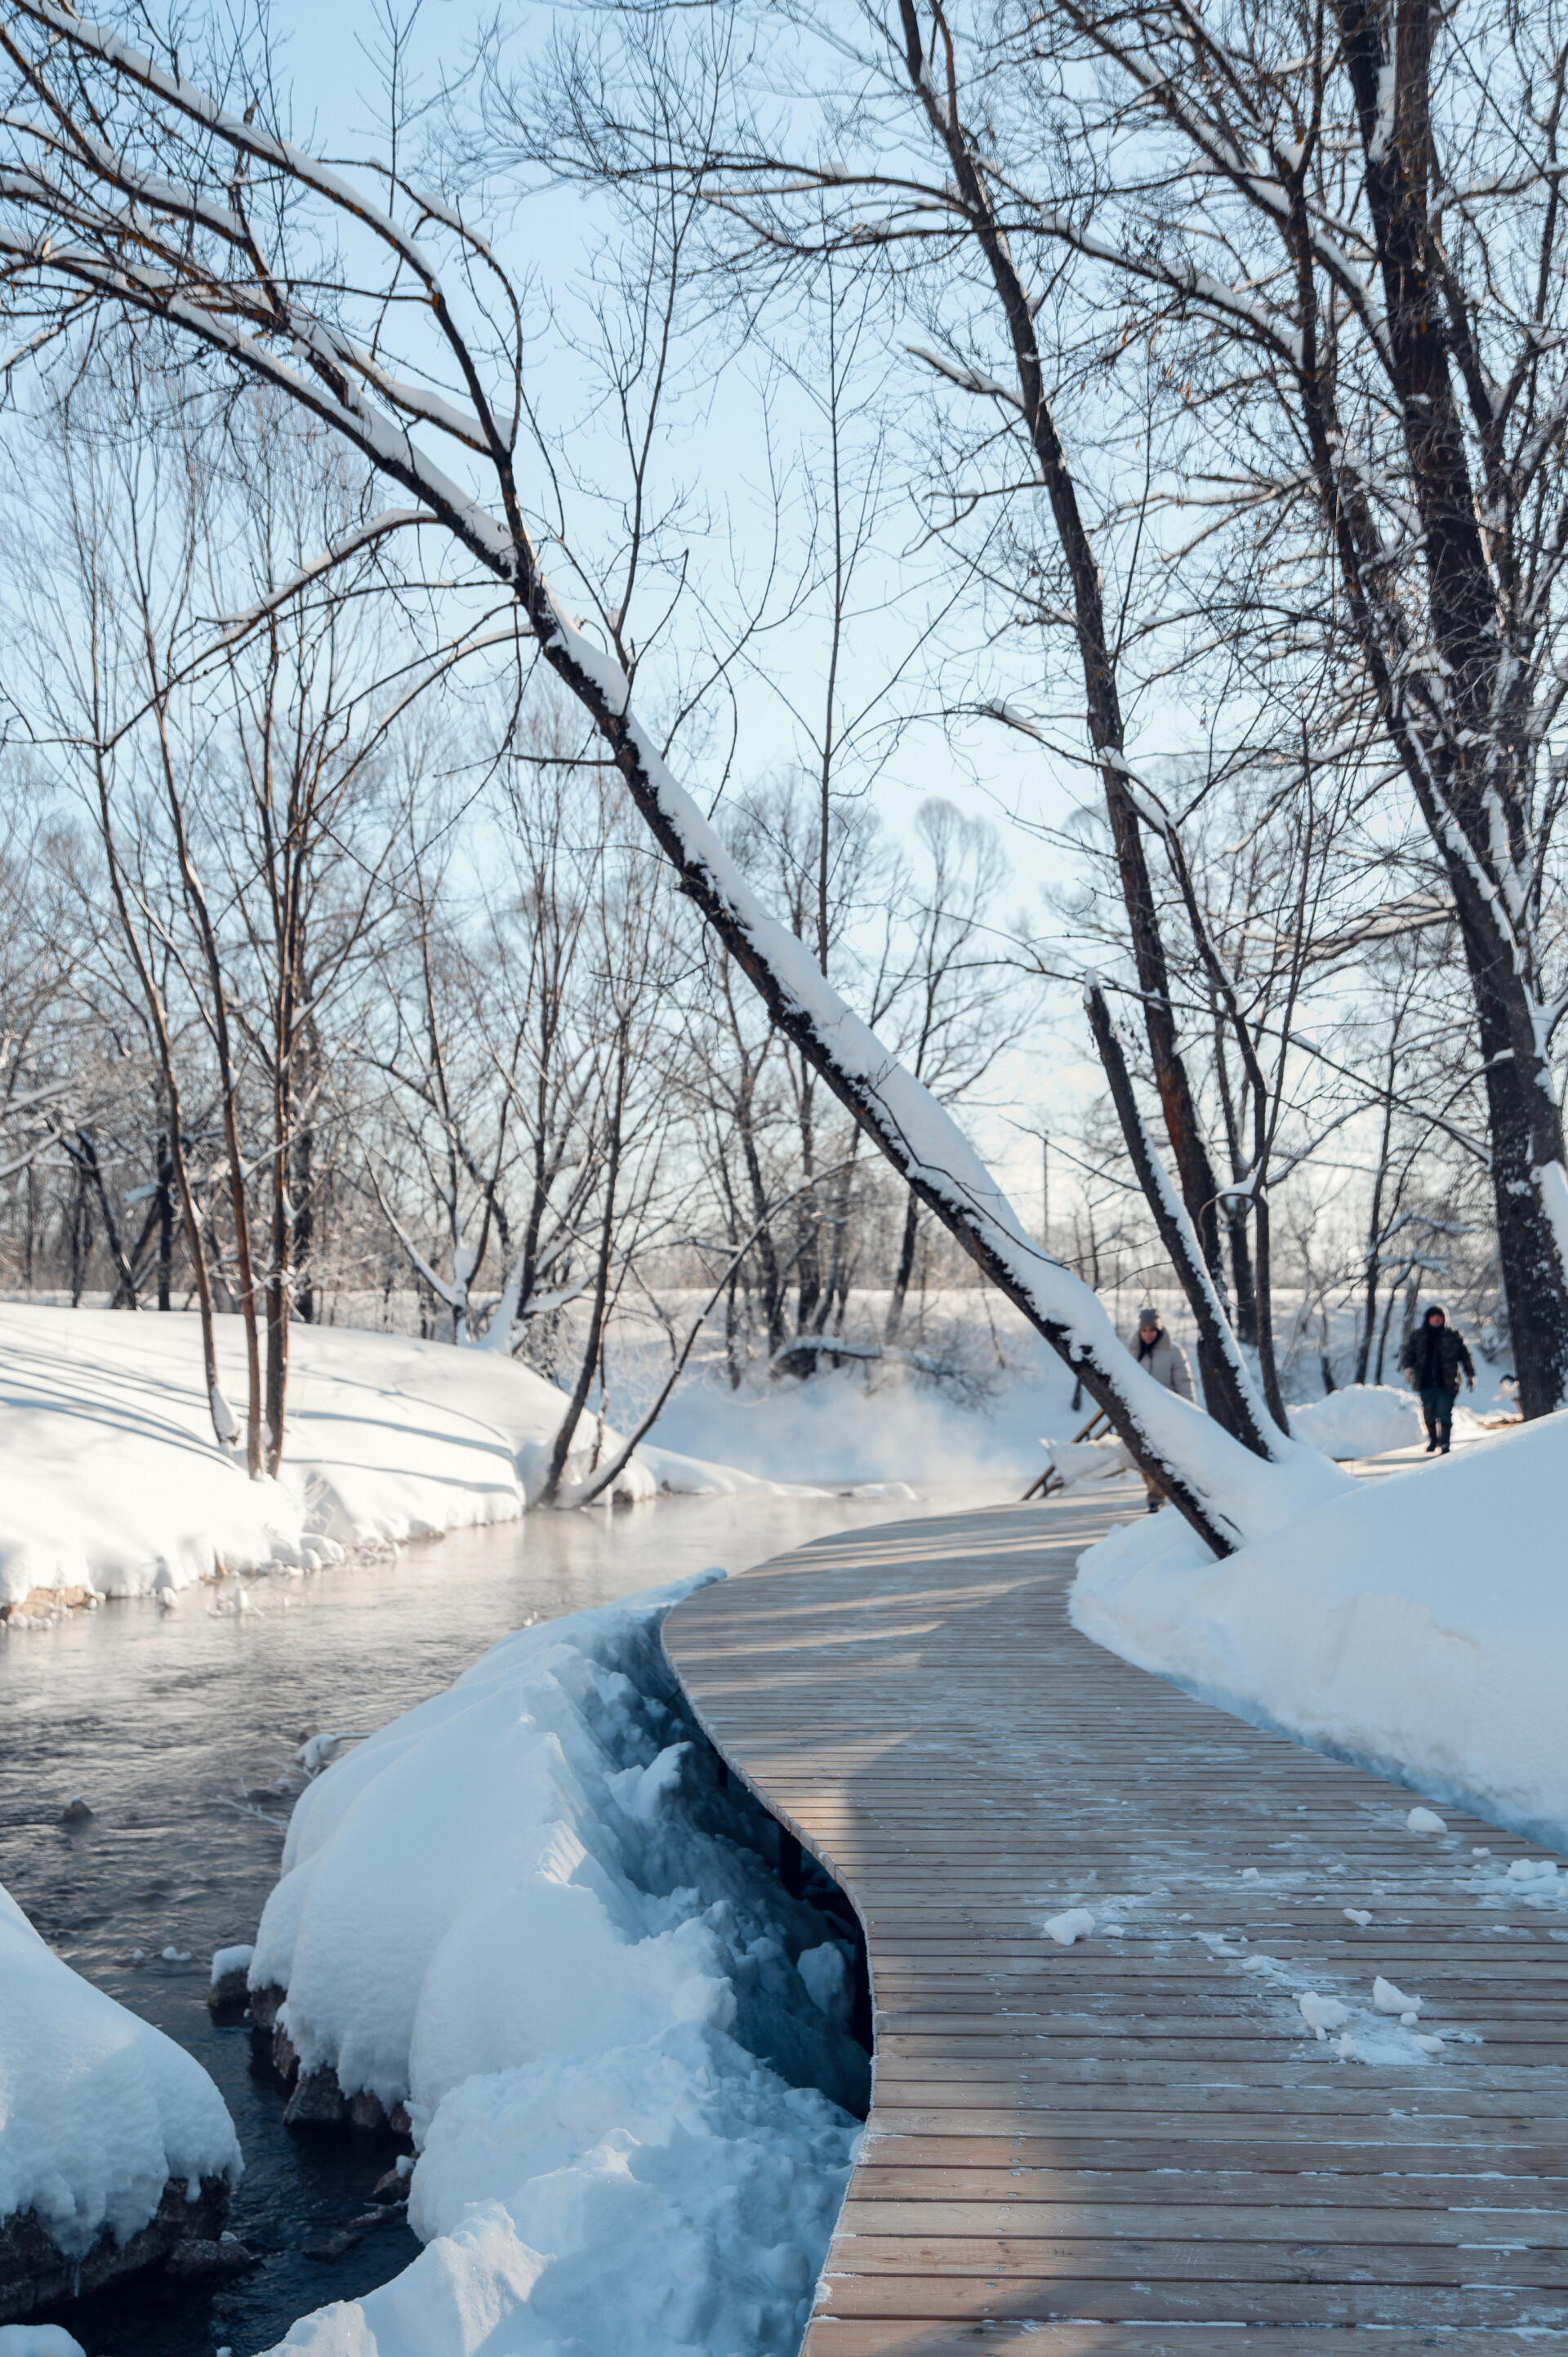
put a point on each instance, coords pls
(1433, 1358)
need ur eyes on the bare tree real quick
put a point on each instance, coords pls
(210, 204)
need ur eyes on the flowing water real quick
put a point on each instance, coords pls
(179, 1729)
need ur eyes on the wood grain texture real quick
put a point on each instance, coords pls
(1134, 2143)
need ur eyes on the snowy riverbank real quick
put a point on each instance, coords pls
(114, 2145)
(113, 1485)
(624, 2146)
(1418, 1625)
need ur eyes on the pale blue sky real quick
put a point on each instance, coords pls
(335, 91)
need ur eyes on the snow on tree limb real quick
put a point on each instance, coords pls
(1228, 1494)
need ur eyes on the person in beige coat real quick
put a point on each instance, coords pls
(1166, 1361)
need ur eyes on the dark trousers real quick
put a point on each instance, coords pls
(1437, 1408)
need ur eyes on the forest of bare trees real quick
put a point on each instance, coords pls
(471, 861)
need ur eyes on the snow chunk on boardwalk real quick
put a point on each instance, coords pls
(1322, 2014)
(527, 1910)
(113, 1482)
(1073, 1924)
(1417, 1625)
(97, 2110)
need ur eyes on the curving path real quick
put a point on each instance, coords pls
(1116, 2145)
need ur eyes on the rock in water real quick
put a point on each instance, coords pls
(35, 2273)
(227, 1989)
(198, 2260)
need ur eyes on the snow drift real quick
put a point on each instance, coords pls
(113, 1482)
(1418, 1625)
(98, 2111)
(526, 1910)
(1359, 1420)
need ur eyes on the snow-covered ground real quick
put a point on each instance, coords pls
(113, 1485)
(1418, 1625)
(112, 1481)
(1373, 1420)
(98, 2111)
(526, 1910)
(1359, 1420)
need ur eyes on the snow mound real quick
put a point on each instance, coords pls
(1086, 1461)
(114, 1483)
(97, 2110)
(1360, 1420)
(698, 1476)
(526, 1910)
(1417, 1625)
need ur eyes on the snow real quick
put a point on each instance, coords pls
(1079, 1461)
(1322, 2014)
(697, 1477)
(113, 1482)
(1367, 2034)
(527, 1910)
(1426, 1821)
(1359, 1420)
(1418, 1625)
(1073, 1924)
(97, 2110)
(836, 1434)
(1389, 1999)
(38, 2341)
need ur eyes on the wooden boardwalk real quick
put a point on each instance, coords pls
(1135, 2143)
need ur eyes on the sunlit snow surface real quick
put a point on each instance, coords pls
(1418, 1625)
(113, 1481)
(97, 2110)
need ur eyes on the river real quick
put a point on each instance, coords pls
(179, 1729)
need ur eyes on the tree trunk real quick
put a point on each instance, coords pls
(905, 1270)
(87, 1153)
(1226, 1374)
(1106, 727)
(564, 1437)
(166, 1221)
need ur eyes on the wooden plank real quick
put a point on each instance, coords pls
(1247, 2263)
(1477, 2197)
(1008, 2215)
(1134, 2142)
(906, 2337)
(981, 2298)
